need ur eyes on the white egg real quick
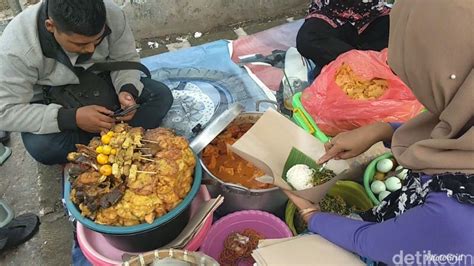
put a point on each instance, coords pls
(403, 174)
(377, 187)
(393, 183)
(383, 195)
(385, 165)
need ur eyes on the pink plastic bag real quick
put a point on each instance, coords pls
(334, 112)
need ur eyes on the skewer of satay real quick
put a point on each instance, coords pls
(150, 141)
(146, 159)
(147, 172)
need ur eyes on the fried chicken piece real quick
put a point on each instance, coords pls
(108, 216)
(166, 167)
(172, 154)
(149, 218)
(136, 131)
(87, 178)
(143, 184)
(133, 206)
(170, 199)
(189, 158)
(176, 142)
(157, 134)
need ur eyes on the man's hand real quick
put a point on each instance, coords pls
(94, 118)
(126, 100)
(353, 143)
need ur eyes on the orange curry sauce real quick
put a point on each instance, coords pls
(227, 166)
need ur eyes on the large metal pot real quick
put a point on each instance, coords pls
(237, 197)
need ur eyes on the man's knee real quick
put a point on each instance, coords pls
(44, 149)
(158, 92)
(156, 100)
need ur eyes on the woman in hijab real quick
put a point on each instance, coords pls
(431, 50)
(333, 27)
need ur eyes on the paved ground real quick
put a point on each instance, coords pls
(32, 187)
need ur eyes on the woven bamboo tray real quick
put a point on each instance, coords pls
(193, 258)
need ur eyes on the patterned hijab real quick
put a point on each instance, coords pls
(431, 48)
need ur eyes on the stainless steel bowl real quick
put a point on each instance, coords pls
(237, 197)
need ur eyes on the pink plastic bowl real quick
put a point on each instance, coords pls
(100, 253)
(267, 224)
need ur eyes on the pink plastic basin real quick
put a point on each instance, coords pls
(267, 224)
(100, 253)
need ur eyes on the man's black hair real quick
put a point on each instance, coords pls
(84, 17)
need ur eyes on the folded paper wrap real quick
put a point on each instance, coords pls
(303, 250)
(269, 142)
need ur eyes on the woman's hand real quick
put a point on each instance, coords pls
(353, 143)
(305, 207)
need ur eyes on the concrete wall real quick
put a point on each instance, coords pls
(154, 18)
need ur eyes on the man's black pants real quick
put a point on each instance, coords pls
(156, 100)
(320, 42)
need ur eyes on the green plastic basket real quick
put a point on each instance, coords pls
(351, 192)
(305, 121)
(369, 176)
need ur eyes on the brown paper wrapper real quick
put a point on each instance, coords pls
(269, 142)
(305, 250)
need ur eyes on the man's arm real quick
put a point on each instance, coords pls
(17, 79)
(122, 48)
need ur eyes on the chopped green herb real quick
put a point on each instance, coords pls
(322, 177)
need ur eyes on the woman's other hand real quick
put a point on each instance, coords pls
(305, 207)
(350, 144)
